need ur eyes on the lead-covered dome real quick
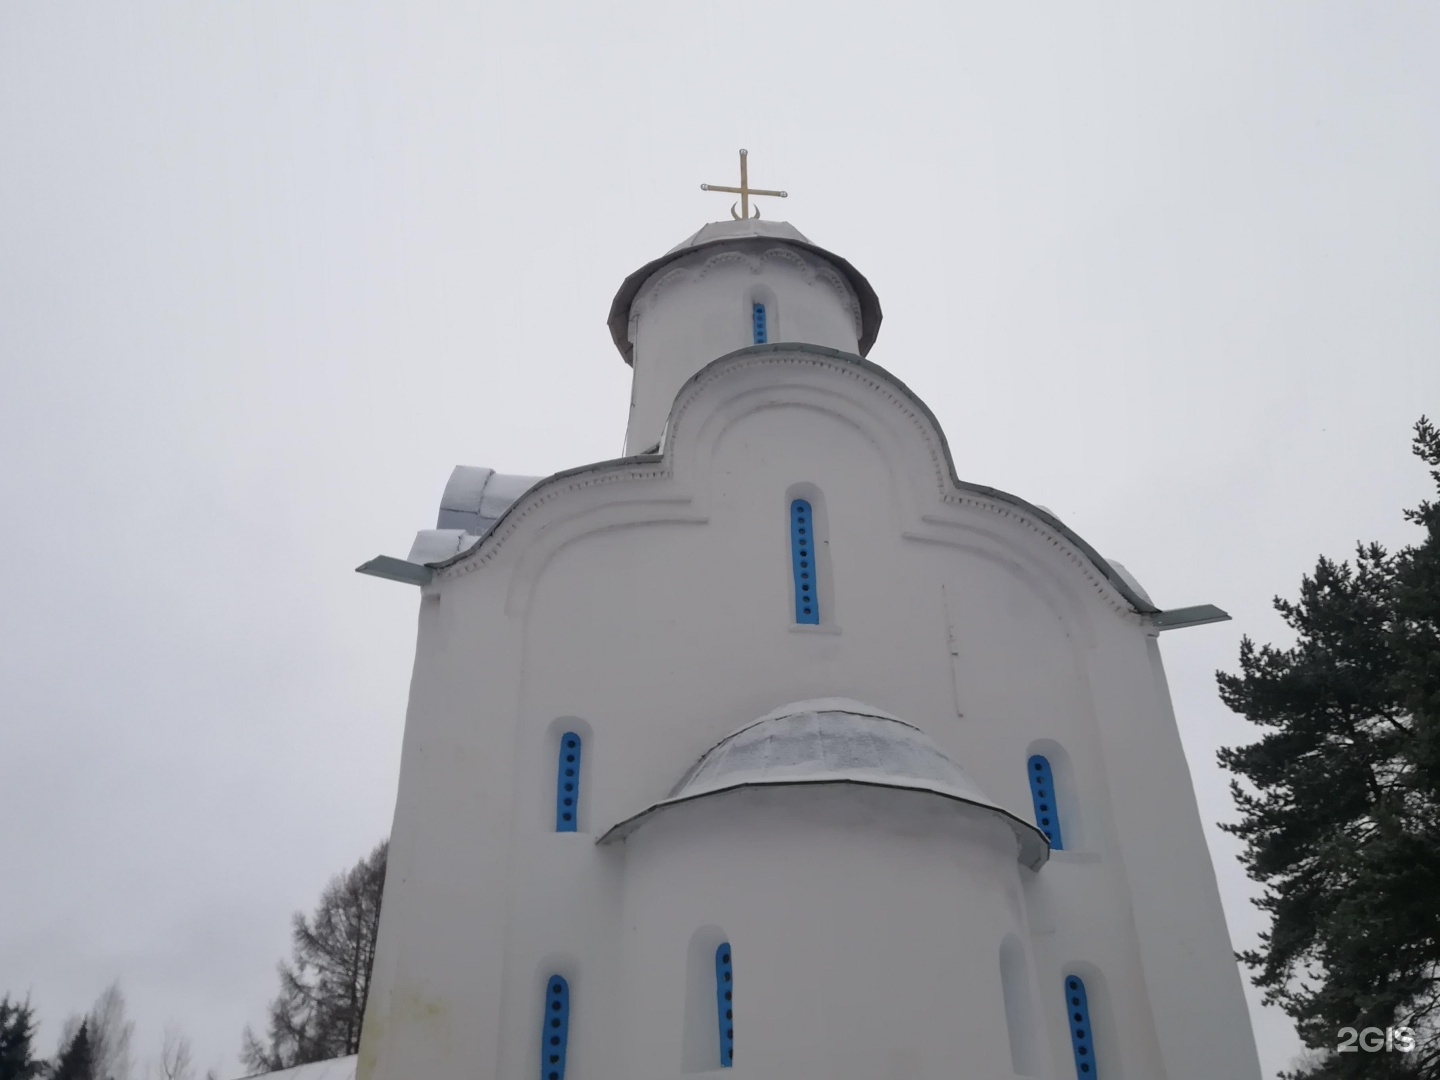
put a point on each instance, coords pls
(834, 741)
(719, 233)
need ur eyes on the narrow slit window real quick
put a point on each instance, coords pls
(724, 1003)
(758, 315)
(802, 556)
(1082, 1038)
(1042, 792)
(567, 784)
(556, 1032)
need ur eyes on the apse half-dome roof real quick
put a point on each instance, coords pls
(834, 741)
(722, 232)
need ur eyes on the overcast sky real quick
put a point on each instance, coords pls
(269, 269)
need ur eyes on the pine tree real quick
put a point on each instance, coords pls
(321, 1004)
(76, 1060)
(1341, 809)
(1417, 604)
(17, 1036)
(108, 1033)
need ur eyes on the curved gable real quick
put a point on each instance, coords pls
(671, 485)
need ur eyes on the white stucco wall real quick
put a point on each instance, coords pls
(872, 949)
(653, 603)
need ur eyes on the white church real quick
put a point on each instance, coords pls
(774, 750)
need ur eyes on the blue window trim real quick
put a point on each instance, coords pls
(555, 1031)
(802, 561)
(1082, 1038)
(1042, 793)
(567, 784)
(724, 1003)
(758, 314)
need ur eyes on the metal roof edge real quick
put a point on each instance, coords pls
(622, 829)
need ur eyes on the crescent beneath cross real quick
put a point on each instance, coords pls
(744, 191)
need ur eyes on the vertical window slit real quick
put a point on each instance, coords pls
(758, 314)
(555, 1033)
(802, 557)
(724, 1003)
(567, 784)
(1082, 1039)
(1042, 793)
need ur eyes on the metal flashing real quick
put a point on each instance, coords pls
(432, 545)
(1179, 618)
(393, 569)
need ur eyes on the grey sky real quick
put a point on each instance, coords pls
(269, 269)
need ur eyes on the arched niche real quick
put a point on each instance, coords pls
(1020, 1014)
(549, 777)
(1077, 831)
(700, 1040)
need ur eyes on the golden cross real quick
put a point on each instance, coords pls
(744, 191)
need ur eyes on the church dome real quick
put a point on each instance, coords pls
(731, 232)
(834, 741)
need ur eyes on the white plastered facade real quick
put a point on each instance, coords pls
(647, 605)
